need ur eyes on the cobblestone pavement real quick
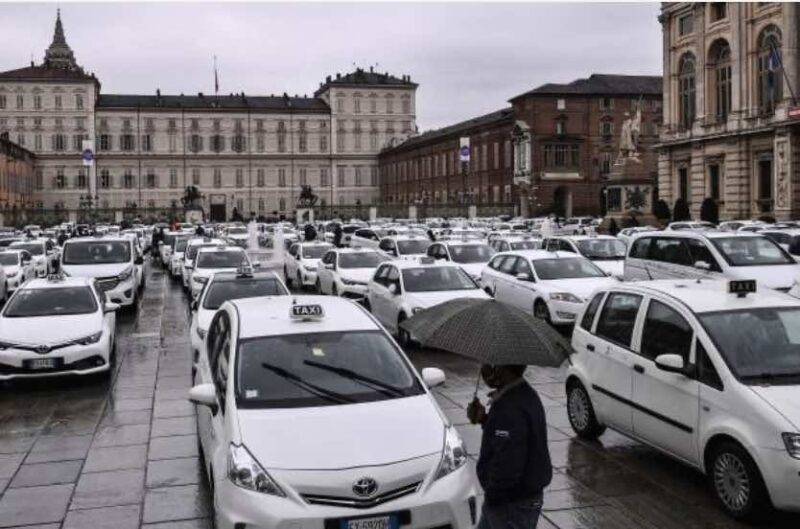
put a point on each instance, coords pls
(78, 454)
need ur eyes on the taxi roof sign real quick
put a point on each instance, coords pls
(742, 287)
(307, 312)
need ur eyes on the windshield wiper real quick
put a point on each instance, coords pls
(318, 391)
(353, 375)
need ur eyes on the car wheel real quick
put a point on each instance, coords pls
(736, 481)
(541, 311)
(334, 290)
(581, 412)
(402, 335)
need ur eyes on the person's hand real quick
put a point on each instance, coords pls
(476, 412)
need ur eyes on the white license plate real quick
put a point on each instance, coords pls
(43, 363)
(381, 522)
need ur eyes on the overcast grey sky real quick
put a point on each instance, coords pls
(468, 58)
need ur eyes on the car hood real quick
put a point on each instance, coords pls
(98, 270)
(427, 300)
(362, 275)
(48, 330)
(582, 287)
(346, 436)
(783, 399)
(208, 272)
(615, 267)
(310, 263)
(775, 276)
(473, 269)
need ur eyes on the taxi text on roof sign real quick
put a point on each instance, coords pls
(307, 312)
(742, 287)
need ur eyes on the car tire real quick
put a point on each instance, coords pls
(334, 290)
(736, 482)
(318, 286)
(402, 335)
(541, 311)
(581, 412)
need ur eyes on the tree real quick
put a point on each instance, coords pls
(661, 210)
(681, 211)
(709, 211)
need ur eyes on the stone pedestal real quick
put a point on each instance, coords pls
(629, 193)
(373, 213)
(412, 212)
(303, 215)
(473, 212)
(193, 215)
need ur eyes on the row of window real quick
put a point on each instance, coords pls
(358, 107)
(58, 123)
(21, 102)
(482, 158)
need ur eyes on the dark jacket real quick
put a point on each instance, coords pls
(514, 462)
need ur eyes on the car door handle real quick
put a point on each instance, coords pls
(638, 368)
(590, 347)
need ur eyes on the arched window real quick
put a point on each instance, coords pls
(770, 69)
(282, 204)
(686, 82)
(719, 61)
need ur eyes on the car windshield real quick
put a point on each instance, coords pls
(471, 253)
(565, 268)
(219, 259)
(168, 238)
(7, 259)
(315, 251)
(416, 246)
(33, 248)
(236, 231)
(180, 245)
(602, 248)
(360, 260)
(525, 245)
(32, 302)
(757, 343)
(436, 278)
(97, 252)
(7, 242)
(321, 369)
(221, 291)
(751, 251)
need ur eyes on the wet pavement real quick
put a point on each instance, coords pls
(122, 454)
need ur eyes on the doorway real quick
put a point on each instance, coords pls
(562, 202)
(216, 208)
(766, 192)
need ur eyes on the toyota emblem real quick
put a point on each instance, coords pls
(42, 349)
(365, 487)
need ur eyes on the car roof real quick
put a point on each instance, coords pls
(788, 231)
(104, 238)
(220, 248)
(404, 264)
(353, 250)
(535, 255)
(270, 316)
(585, 237)
(233, 276)
(712, 234)
(711, 295)
(28, 241)
(460, 242)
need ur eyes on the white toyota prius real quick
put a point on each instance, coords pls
(311, 416)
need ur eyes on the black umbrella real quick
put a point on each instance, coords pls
(489, 332)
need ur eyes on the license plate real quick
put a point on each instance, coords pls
(42, 363)
(379, 522)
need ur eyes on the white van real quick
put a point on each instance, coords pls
(712, 255)
(111, 261)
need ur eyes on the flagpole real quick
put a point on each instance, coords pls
(783, 71)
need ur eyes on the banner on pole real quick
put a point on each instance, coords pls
(463, 150)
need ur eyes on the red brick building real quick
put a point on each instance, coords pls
(572, 133)
(562, 138)
(17, 175)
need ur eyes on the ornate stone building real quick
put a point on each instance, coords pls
(16, 177)
(730, 114)
(242, 151)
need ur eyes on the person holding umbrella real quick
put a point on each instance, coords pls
(514, 462)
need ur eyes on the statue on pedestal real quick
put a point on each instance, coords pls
(629, 136)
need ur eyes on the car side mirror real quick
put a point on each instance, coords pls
(109, 306)
(524, 277)
(205, 395)
(702, 265)
(193, 305)
(139, 260)
(393, 289)
(297, 256)
(671, 363)
(433, 377)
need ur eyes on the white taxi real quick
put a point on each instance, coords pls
(607, 252)
(209, 261)
(17, 268)
(400, 289)
(57, 326)
(706, 371)
(191, 253)
(550, 285)
(43, 252)
(302, 262)
(346, 271)
(309, 415)
(470, 255)
(224, 286)
(405, 246)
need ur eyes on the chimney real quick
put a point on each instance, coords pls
(338, 76)
(158, 92)
(370, 69)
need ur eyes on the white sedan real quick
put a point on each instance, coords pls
(57, 326)
(470, 255)
(209, 261)
(400, 289)
(551, 285)
(309, 415)
(17, 266)
(346, 271)
(302, 262)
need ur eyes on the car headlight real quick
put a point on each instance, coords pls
(200, 279)
(201, 333)
(565, 296)
(88, 340)
(245, 472)
(415, 310)
(792, 442)
(454, 455)
(11, 274)
(352, 282)
(125, 274)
